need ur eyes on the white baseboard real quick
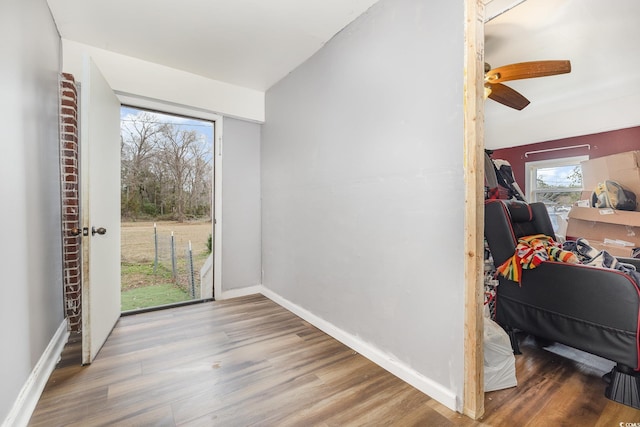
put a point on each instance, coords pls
(241, 292)
(27, 399)
(380, 358)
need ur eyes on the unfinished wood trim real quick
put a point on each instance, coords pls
(474, 208)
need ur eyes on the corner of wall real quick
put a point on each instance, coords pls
(386, 361)
(28, 397)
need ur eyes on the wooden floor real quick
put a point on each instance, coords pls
(249, 362)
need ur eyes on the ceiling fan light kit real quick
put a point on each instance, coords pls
(493, 78)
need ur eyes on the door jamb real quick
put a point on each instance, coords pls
(173, 108)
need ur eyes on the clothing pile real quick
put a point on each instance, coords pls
(591, 256)
(531, 251)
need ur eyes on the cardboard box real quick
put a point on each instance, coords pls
(623, 168)
(597, 225)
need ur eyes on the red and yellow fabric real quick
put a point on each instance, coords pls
(531, 251)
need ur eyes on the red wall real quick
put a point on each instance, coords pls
(601, 144)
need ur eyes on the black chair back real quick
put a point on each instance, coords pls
(505, 221)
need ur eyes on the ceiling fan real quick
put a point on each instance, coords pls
(493, 78)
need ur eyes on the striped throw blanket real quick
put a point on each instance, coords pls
(530, 252)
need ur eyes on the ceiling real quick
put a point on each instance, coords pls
(255, 43)
(249, 43)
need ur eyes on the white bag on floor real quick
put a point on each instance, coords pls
(499, 361)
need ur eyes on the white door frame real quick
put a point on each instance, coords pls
(172, 108)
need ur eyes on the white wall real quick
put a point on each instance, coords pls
(241, 250)
(362, 186)
(133, 76)
(31, 307)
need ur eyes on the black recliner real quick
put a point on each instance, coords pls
(592, 309)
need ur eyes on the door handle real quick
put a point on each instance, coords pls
(100, 230)
(75, 231)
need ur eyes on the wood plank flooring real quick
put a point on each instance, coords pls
(249, 362)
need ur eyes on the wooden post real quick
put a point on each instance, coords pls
(474, 208)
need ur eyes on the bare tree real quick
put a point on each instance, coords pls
(176, 153)
(200, 176)
(166, 169)
(139, 144)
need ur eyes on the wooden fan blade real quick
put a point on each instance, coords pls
(507, 96)
(527, 70)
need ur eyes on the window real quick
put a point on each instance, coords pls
(557, 183)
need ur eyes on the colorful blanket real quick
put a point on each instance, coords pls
(530, 252)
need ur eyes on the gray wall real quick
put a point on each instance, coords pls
(241, 253)
(31, 307)
(362, 185)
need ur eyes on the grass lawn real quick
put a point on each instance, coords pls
(151, 296)
(145, 284)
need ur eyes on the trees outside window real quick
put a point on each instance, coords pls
(166, 166)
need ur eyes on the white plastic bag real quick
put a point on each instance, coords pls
(499, 361)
